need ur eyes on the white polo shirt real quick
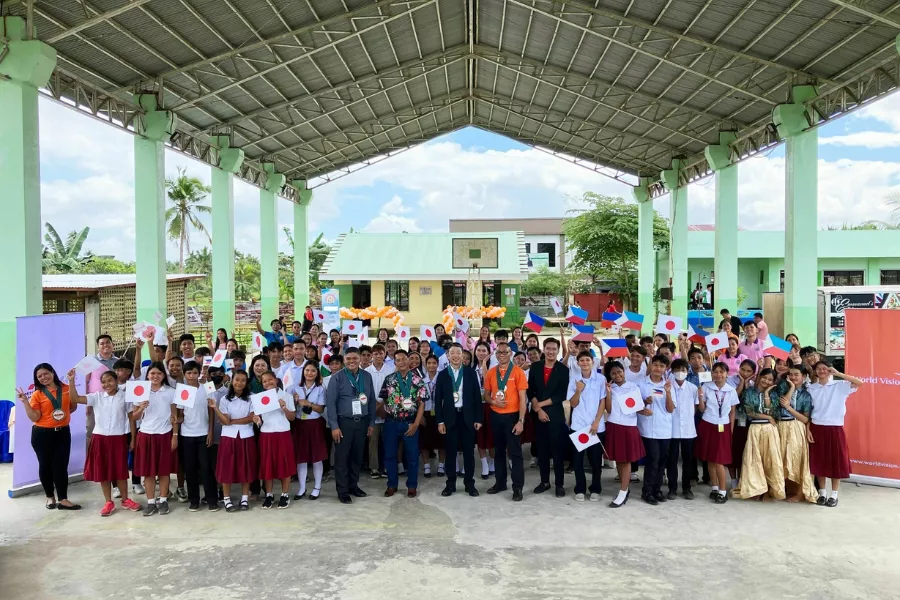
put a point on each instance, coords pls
(157, 416)
(575, 370)
(686, 399)
(592, 395)
(236, 408)
(110, 414)
(196, 418)
(276, 421)
(315, 395)
(616, 415)
(636, 378)
(719, 403)
(657, 426)
(829, 401)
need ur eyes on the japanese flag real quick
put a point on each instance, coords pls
(210, 388)
(266, 401)
(629, 402)
(351, 327)
(364, 335)
(218, 358)
(319, 315)
(671, 326)
(159, 337)
(137, 391)
(184, 396)
(460, 323)
(170, 321)
(259, 342)
(582, 439)
(288, 378)
(426, 333)
(556, 305)
(89, 364)
(403, 337)
(144, 331)
(717, 341)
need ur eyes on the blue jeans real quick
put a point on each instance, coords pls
(393, 433)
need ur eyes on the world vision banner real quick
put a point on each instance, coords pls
(873, 412)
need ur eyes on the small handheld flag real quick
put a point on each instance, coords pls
(668, 325)
(576, 316)
(614, 347)
(717, 341)
(583, 333)
(184, 396)
(351, 327)
(287, 380)
(556, 305)
(218, 358)
(583, 439)
(426, 333)
(629, 402)
(364, 336)
(460, 323)
(533, 322)
(89, 364)
(259, 342)
(170, 321)
(777, 347)
(210, 388)
(630, 320)
(697, 334)
(319, 315)
(264, 402)
(137, 391)
(403, 336)
(608, 319)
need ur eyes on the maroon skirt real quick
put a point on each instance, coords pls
(738, 443)
(276, 455)
(623, 443)
(712, 445)
(309, 441)
(107, 458)
(153, 455)
(828, 455)
(237, 460)
(429, 438)
(483, 437)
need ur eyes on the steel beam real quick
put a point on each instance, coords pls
(95, 20)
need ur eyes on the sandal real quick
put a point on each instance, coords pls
(245, 505)
(314, 495)
(229, 507)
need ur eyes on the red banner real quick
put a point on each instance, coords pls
(873, 412)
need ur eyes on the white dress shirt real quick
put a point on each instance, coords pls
(157, 416)
(633, 377)
(589, 401)
(686, 399)
(454, 373)
(718, 403)
(315, 395)
(236, 408)
(616, 415)
(829, 401)
(196, 418)
(110, 414)
(657, 426)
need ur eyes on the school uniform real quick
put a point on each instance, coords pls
(583, 415)
(762, 471)
(714, 431)
(308, 428)
(484, 437)
(656, 431)
(635, 378)
(107, 457)
(194, 453)
(684, 432)
(828, 454)
(153, 455)
(429, 438)
(741, 425)
(276, 446)
(238, 460)
(623, 440)
(378, 377)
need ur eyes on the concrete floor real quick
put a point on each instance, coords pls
(485, 548)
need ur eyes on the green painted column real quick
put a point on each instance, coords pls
(153, 128)
(801, 208)
(26, 66)
(230, 160)
(268, 236)
(646, 254)
(678, 228)
(726, 253)
(873, 272)
(301, 247)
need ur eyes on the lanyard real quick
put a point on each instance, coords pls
(457, 380)
(55, 401)
(354, 380)
(306, 391)
(501, 381)
(720, 398)
(405, 383)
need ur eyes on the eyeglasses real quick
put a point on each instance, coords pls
(502, 352)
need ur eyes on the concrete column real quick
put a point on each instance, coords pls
(268, 235)
(646, 253)
(726, 253)
(801, 208)
(678, 260)
(301, 247)
(26, 66)
(230, 160)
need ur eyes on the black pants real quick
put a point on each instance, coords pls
(348, 454)
(689, 464)
(52, 448)
(198, 469)
(553, 437)
(460, 437)
(595, 457)
(506, 442)
(656, 450)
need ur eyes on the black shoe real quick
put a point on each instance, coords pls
(649, 499)
(346, 500)
(688, 494)
(472, 492)
(447, 492)
(517, 494)
(560, 491)
(194, 506)
(713, 494)
(486, 476)
(283, 502)
(212, 507)
(721, 498)
(162, 507)
(441, 473)
(245, 505)
(671, 495)
(358, 493)
(832, 502)
(496, 489)
(427, 475)
(614, 505)
(821, 501)
(541, 488)
(660, 497)
(299, 496)
(229, 506)
(268, 502)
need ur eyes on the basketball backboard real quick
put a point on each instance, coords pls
(475, 253)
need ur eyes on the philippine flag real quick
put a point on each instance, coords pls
(576, 316)
(630, 320)
(583, 333)
(614, 347)
(533, 322)
(697, 334)
(776, 346)
(609, 319)
(717, 341)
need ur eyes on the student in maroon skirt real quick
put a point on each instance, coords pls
(237, 461)
(276, 447)
(828, 455)
(483, 437)
(623, 440)
(308, 430)
(718, 402)
(107, 458)
(429, 439)
(156, 451)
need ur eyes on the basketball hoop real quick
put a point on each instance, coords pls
(474, 254)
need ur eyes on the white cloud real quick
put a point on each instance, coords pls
(865, 139)
(885, 111)
(389, 219)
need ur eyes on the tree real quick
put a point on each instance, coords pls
(246, 277)
(64, 257)
(544, 282)
(893, 200)
(106, 265)
(318, 252)
(605, 240)
(187, 195)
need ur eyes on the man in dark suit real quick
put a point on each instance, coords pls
(548, 383)
(458, 412)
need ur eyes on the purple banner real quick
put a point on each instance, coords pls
(57, 339)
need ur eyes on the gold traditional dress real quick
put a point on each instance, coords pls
(762, 470)
(794, 445)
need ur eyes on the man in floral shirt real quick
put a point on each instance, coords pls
(403, 394)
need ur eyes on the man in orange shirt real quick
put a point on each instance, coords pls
(505, 389)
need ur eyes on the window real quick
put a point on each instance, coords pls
(492, 292)
(835, 278)
(453, 293)
(890, 278)
(396, 293)
(527, 247)
(550, 250)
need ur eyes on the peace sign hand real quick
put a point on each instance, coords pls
(20, 394)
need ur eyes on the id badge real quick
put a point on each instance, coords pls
(303, 416)
(357, 408)
(721, 428)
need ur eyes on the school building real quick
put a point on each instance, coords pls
(545, 239)
(414, 272)
(845, 258)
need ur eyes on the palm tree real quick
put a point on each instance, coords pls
(893, 200)
(187, 195)
(64, 257)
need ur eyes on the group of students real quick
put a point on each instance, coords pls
(762, 425)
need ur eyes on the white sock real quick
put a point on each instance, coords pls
(834, 494)
(318, 469)
(440, 466)
(428, 467)
(301, 477)
(715, 488)
(245, 499)
(161, 500)
(458, 462)
(270, 495)
(822, 492)
(492, 464)
(621, 497)
(283, 495)
(722, 493)
(485, 467)
(151, 501)
(226, 499)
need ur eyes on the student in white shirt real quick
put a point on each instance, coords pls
(655, 425)
(156, 451)
(623, 440)
(107, 458)
(484, 438)
(828, 455)
(196, 437)
(586, 394)
(276, 447)
(429, 439)
(238, 459)
(718, 402)
(379, 369)
(684, 431)
(308, 429)
(636, 371)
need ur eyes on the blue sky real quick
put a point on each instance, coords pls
(87, 180)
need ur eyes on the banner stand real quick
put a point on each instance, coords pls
(36, 488)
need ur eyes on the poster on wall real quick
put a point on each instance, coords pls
(842, 302)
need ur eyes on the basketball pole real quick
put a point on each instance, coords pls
(474, 294)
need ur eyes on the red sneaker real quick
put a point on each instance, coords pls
(108, 509)
(129, 504)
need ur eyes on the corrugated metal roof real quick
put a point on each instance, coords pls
(418, 256)
(63, 283)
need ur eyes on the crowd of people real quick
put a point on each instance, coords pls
(737, 420)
